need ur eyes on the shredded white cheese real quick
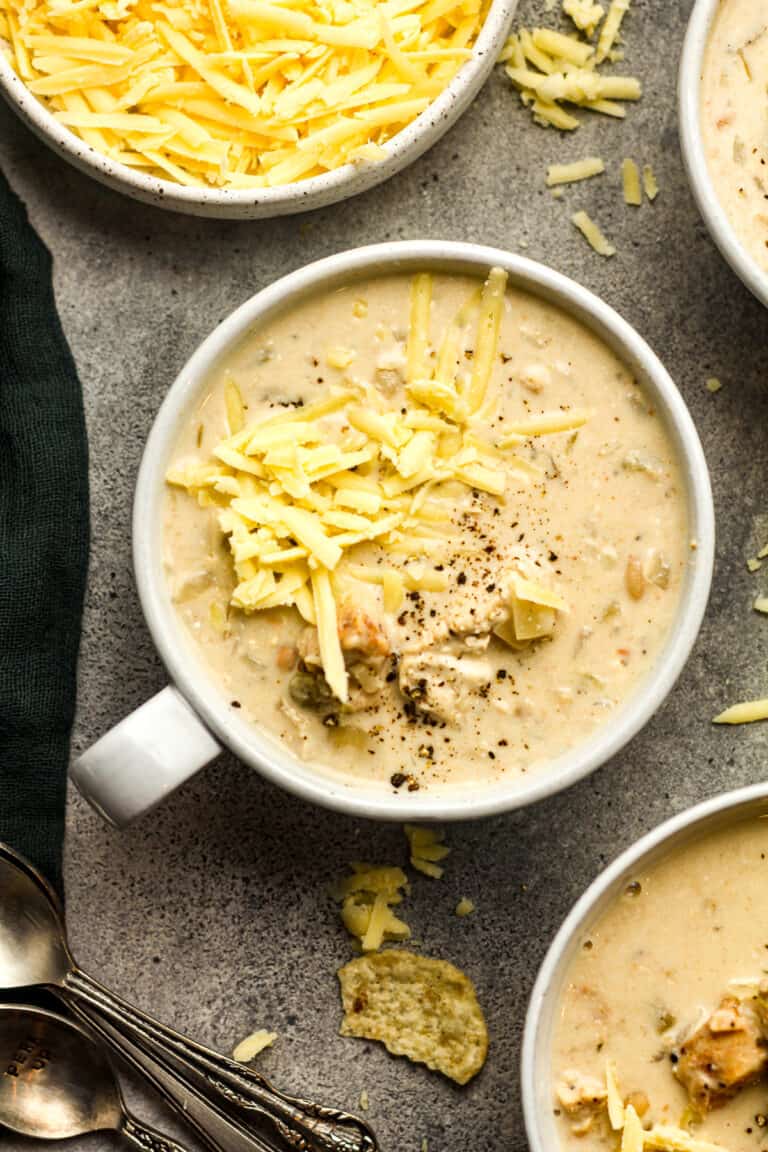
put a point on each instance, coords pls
(427, 848)
(572, 173)
(592, 234)
(630, 176)
(746, 713)
(242, 94)
(297, 492)
(650, 184)
(549, 68)
(250, 1048)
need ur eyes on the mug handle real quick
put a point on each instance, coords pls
(144, 758)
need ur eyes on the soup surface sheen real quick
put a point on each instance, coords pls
(734, 113)
(688, 933)
(582, 510)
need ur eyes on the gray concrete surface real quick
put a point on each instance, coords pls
(212, 912)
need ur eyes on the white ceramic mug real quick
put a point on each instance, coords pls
(153, 751)
(691, 141)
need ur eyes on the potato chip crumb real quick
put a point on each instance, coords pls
(465, 907)
(421, 1008)
(250, 1048)
(364, 1100)
(713, 384)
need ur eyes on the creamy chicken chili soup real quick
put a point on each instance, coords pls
(425, 531)
(663, 1024)
(734, 104)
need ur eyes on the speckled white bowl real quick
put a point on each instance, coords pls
(300, 196)
(153, 751)
(689, 99)
(543, 1009)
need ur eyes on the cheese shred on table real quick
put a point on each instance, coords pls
(238, 93)
(551, 68)
(592, 234)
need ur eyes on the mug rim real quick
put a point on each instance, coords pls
(262, 751)
(537, 1049)
(715, 218)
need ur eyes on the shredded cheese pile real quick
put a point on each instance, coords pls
(427, 848)
(550, 69)
(238, 93)
(296, 493)
(367, 898)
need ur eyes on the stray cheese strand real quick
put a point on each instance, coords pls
(572, 173)
(746, 713)
(592, 234)
(630, 177)
(246, 94)
(297, 492)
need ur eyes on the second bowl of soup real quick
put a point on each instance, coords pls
(723, 92)
(648, 1025)
(422, 530)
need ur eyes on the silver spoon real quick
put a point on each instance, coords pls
(56, 1082)
(34, 952)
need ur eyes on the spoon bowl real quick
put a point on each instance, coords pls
(34, 952)
(57, 1082)
(32, 943)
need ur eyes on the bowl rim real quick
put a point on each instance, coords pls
(689, 109)
(597, 895)
(266, 754)
(318, 191)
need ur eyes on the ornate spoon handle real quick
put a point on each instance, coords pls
(303, 1125)
(147, 1139)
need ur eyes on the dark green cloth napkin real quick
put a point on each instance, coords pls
(43, 544)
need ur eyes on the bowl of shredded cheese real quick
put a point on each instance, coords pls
(245, 108)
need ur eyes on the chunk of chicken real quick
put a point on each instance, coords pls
(727, 1053)
(438, 684)
(360, 633)
(582, 1098)
(360, 636)
(366, 648)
